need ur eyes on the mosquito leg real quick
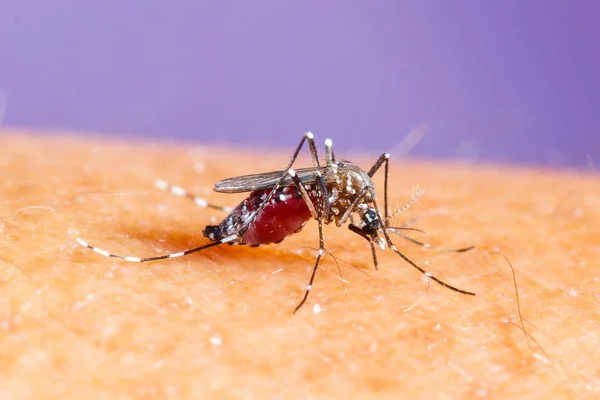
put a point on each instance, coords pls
(305, 196)
(319, 255)
(308, 136)
(317, 212)
(429, 275)
(313, 149)
(353, 206)
(146, 259)
(179, 191)
(329, 157)
(202, 203)
(359, 232)
(383, 159)
(325, 196)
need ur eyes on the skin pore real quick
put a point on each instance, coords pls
(219, 323)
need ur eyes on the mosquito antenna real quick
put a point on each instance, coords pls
(417, 192)
(146, 259)
(394, 229)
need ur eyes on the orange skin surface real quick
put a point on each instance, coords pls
(219, 323)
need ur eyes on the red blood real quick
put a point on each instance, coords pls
(278, 219)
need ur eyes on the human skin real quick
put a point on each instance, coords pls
(219, 323)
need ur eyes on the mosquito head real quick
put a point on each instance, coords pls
(370, 225)
(370, 221)
(350, 190)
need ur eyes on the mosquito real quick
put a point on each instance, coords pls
(280, 203)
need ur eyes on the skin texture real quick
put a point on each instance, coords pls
(219, 323)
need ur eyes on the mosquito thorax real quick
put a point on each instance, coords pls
(347, 181)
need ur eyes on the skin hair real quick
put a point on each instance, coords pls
(219, 323)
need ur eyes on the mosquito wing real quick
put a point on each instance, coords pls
(266, 180)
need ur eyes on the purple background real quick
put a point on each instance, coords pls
(502, 80)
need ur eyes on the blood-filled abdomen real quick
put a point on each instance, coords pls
(285, 215)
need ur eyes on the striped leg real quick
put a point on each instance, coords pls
(320, 206)
(309, 137)
(405, 258)
(163, 257)
(179, 191)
